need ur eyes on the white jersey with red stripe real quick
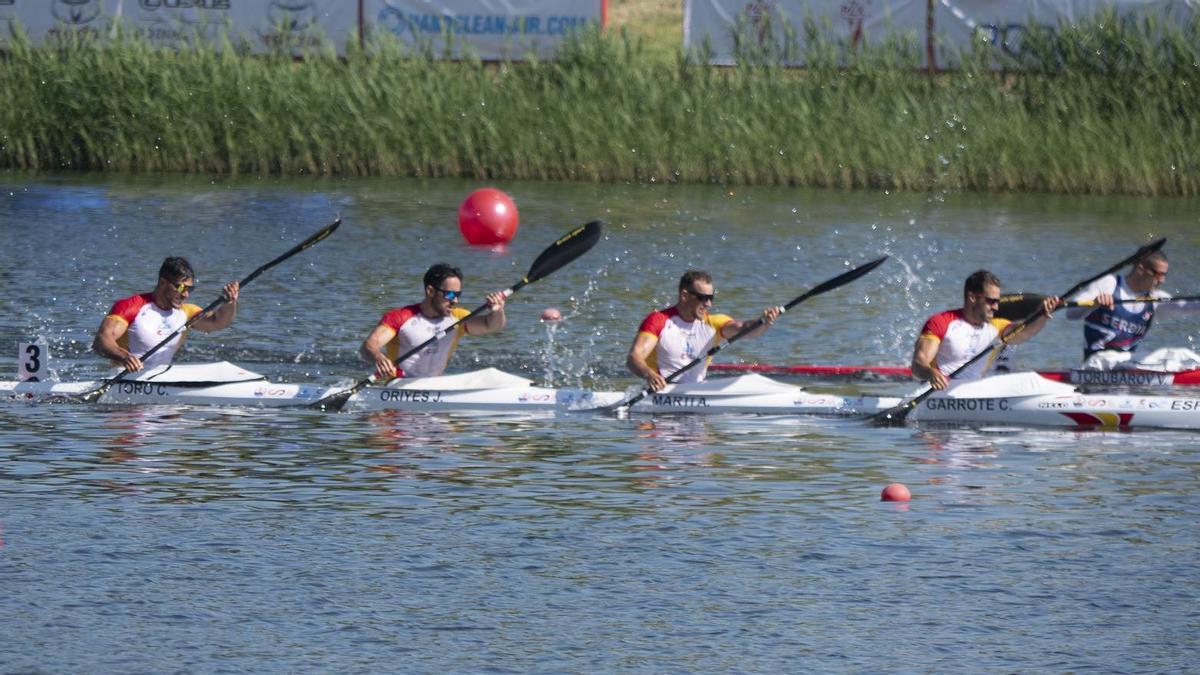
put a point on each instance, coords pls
(412, 328)
(147, 324)
(960, 341)
(679, 342)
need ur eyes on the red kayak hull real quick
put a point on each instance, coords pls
(1115, 378)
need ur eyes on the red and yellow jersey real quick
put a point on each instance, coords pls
(960, 342)
(146, 324)
(412, 328)
(679, 342)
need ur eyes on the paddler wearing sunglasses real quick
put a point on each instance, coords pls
(403, 328)
(671, 338)
(137, 323)
(953, 337)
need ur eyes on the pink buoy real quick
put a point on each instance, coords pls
(551, 314)
(487, 216)
(895, 492)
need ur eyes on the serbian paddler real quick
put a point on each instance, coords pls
(1116, 321)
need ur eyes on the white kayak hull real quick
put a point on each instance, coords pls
(193, 384)
(1021, 399)
(1027, 399)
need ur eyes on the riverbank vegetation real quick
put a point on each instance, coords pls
(1108, 107)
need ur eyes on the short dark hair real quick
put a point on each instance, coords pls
(1153, 256)
(435, 275)
(692, 276)
(176, 269)
(979, 279)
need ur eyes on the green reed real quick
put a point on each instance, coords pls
(1110, 106)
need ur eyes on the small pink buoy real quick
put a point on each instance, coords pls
(487, 216)
(551, 314)
(895, 492)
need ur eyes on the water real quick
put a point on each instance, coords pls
(165, 539)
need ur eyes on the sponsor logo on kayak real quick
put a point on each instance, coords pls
(540, 397)
(1130, 378)
(1053, 405)
(679, 401)
(967, 404)
(270, 392)
(410, 395)
(1186, 404)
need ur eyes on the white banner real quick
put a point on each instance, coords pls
(490, 29)
(261, 24)
(762, 23)
(958, 23)
(955, 23)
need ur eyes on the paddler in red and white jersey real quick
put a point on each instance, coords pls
(671, 338)
(403, 328)
(139, 322)
(951, 338)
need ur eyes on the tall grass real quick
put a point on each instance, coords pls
(1112, 106)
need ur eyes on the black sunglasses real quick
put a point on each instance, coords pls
(702, 297)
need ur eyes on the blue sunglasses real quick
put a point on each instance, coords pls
(450, 295)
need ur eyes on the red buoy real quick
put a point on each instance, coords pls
(487, 216)
(895, 492)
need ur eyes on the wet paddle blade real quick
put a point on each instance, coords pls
(567, 248)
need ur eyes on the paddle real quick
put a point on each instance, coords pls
(840, 280)
(895, 415)
(93, 395)
(568, 247)
(1019, 304)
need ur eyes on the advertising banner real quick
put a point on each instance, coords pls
(1002, 25)
(487, 29)
(722, 25)
(259, 24)
(953, 26)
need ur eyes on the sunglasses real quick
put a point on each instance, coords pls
(450, 295)
(992, 302)
(702, 297)
(183, 288)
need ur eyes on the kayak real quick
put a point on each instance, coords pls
(1022, 399)
(496, 391)
(487, 390)
(220, 383)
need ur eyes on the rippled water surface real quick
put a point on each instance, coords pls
(204, 539)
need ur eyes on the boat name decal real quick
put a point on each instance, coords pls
(1186, 404)
(969, 404)
(1125, 377)
(410, 395)
(679, 401)
(142, 388)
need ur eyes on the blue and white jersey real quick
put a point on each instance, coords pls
(1120, 328)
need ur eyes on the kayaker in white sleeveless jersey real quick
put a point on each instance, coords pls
(1111, 330)
(402, 328)
(671, 338)
(139, 322)
(951, 338)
